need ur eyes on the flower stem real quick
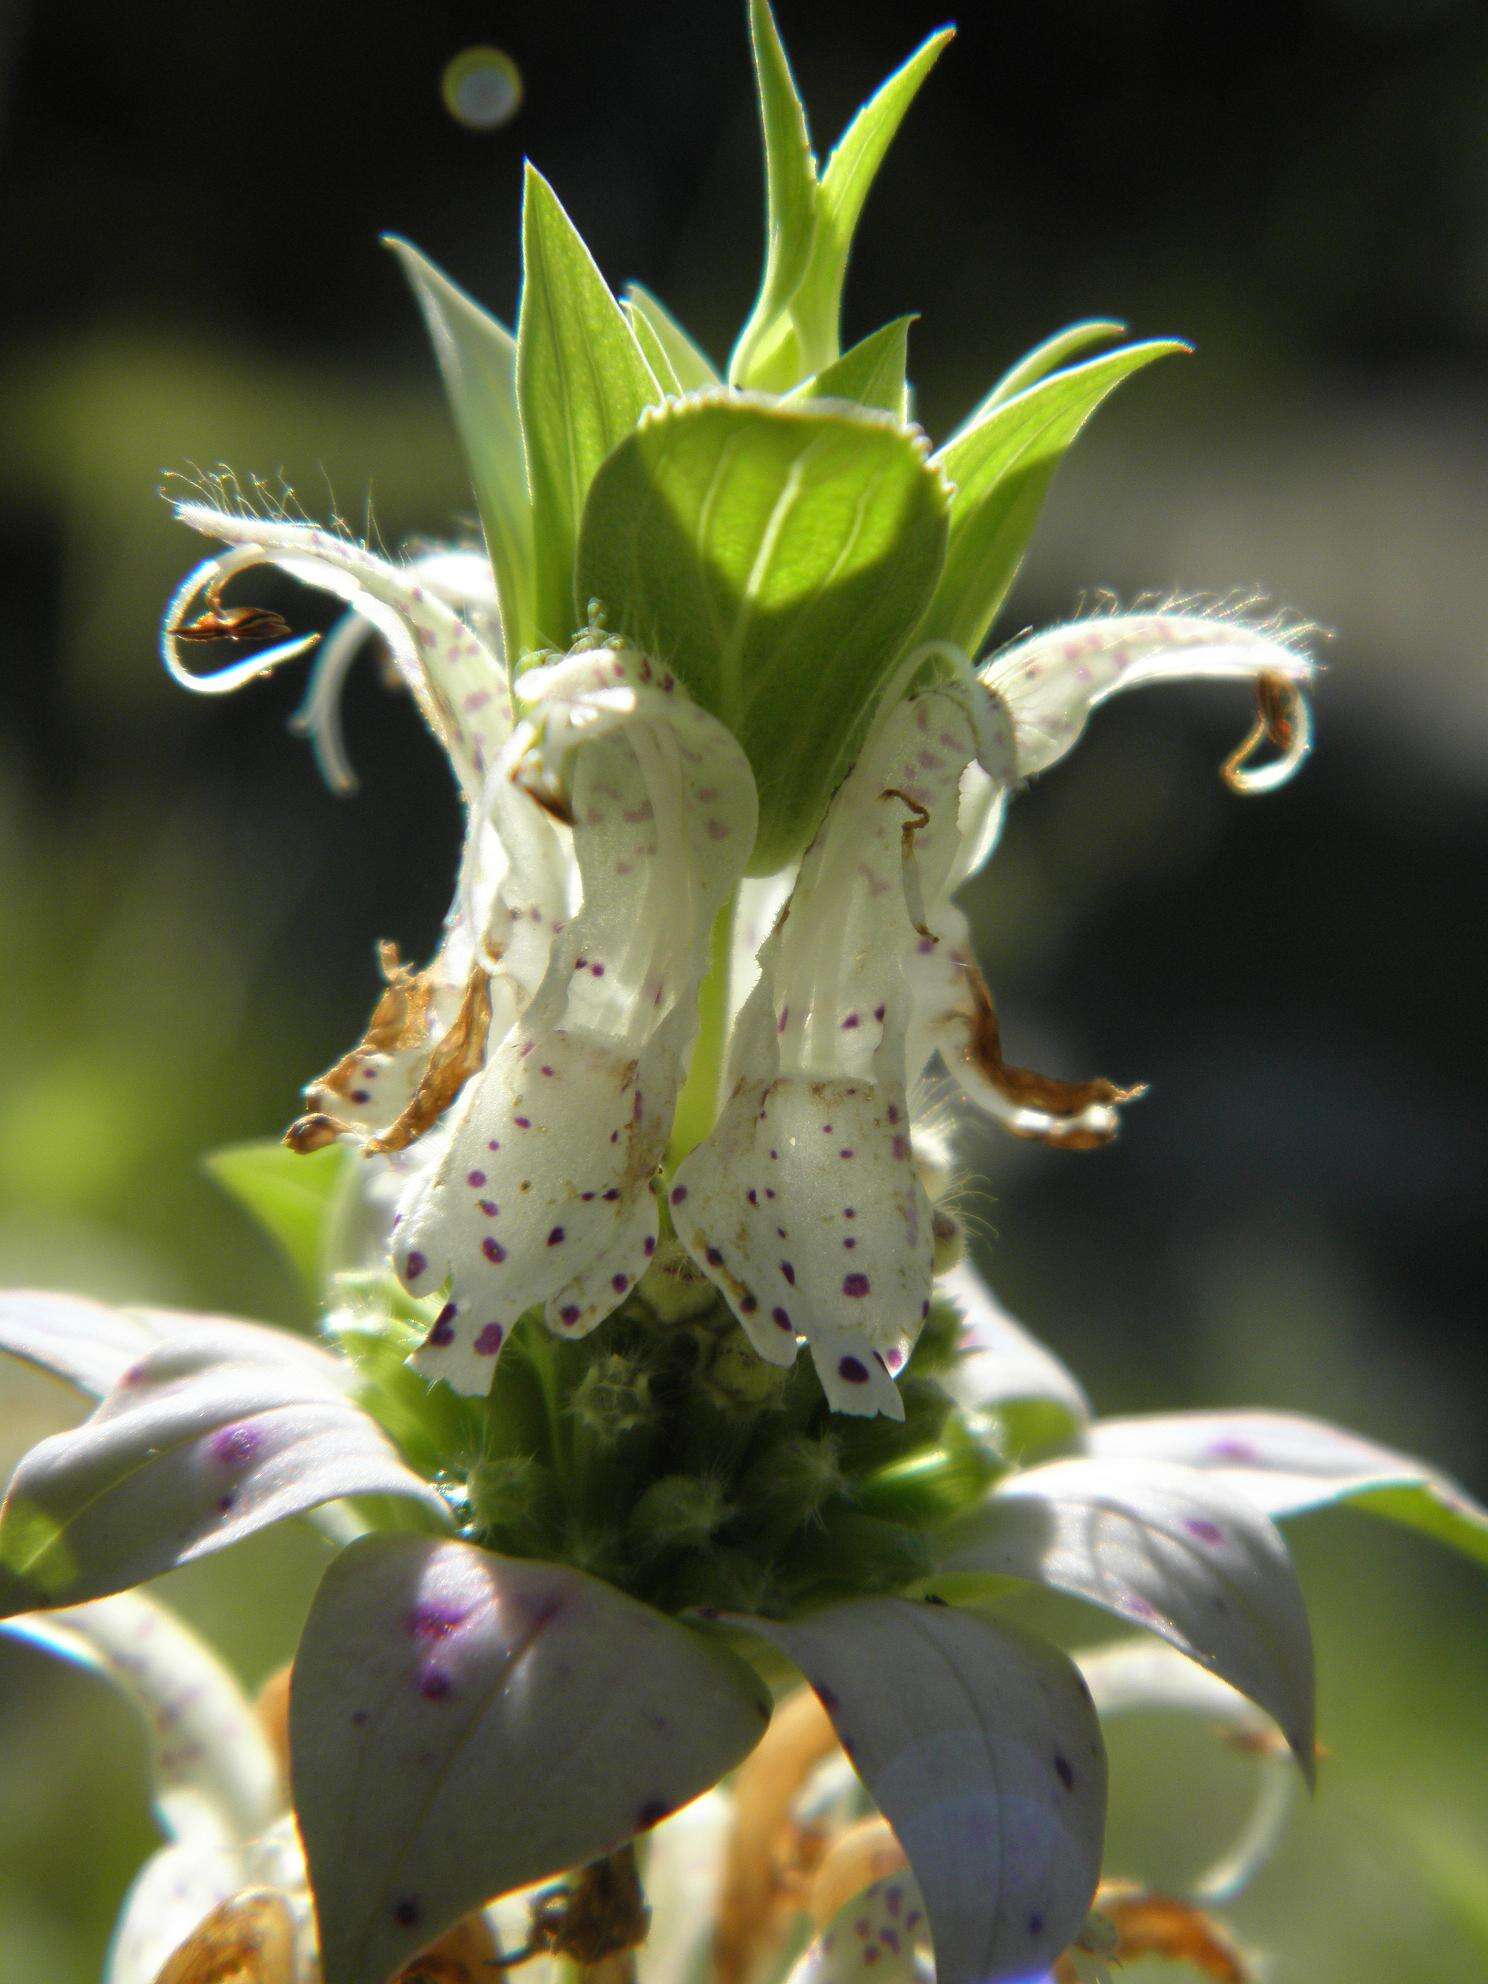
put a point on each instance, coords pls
(697, 1106)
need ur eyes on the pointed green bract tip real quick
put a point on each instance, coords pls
(812, 215)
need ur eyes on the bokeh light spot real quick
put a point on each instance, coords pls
(482, 88)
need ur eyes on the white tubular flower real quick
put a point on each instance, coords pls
(456, 675)
(804, 1205)
(542, 1194)
(1047, 685)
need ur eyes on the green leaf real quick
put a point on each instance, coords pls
(1041, 361)
(871, 374)
(1289, 1465)
(846, 183)
(291, 1197)
(463, 1725)
(653, 350)
(777, 558)
(478, 360)
(694, 371)
(1000, 471)
(769, 354)
(582, 384)
(793, 330)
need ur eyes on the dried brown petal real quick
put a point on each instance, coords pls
(249, 1939)
(1067, 1102)
(1279, 717)
(763, 1866)
(272, 1710)
(244, 625)
(468, 1954)
(399, 1021)
(313, 1132)
(458, 1054)
(1139, 1924)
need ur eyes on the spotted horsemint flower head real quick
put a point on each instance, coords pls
(719, 704)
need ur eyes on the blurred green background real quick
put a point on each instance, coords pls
(189, 204)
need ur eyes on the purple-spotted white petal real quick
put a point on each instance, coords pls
(804, 1204)
(980, 1746)
(542, 1192)
(463, 1724)
(881, 1936)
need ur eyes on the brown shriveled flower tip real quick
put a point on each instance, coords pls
(249, 1939)
(769, 1857)
(399, 1020)
(1131, 1923)
(458, 1054)
(257, 626)
(1280, 714)
(1066, 1102)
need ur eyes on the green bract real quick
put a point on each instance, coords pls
(780, 543)
(740, 541)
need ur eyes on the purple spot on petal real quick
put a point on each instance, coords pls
(1206, 1532)
(850, 1022)
(569, 1314)
(856, 1285)
(493, 1250)
(679, 1193)
(234, 1446)
(787, 1269)
(490, 1340)
(227, 1503)
(555, 1238)
(414, 1266)
(432, 1620)
(853, 1369)
(523, 1122)
(1064, 1771)
(1240, 1451)
(443, 1331)
(434, 1684)
(781, 1319)
(650, 1247)
(712, 1256)
(475, 1179)
(619, 1282)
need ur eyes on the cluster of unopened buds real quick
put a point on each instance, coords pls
(651, 1121)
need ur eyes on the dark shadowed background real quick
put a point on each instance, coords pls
(190, 198)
